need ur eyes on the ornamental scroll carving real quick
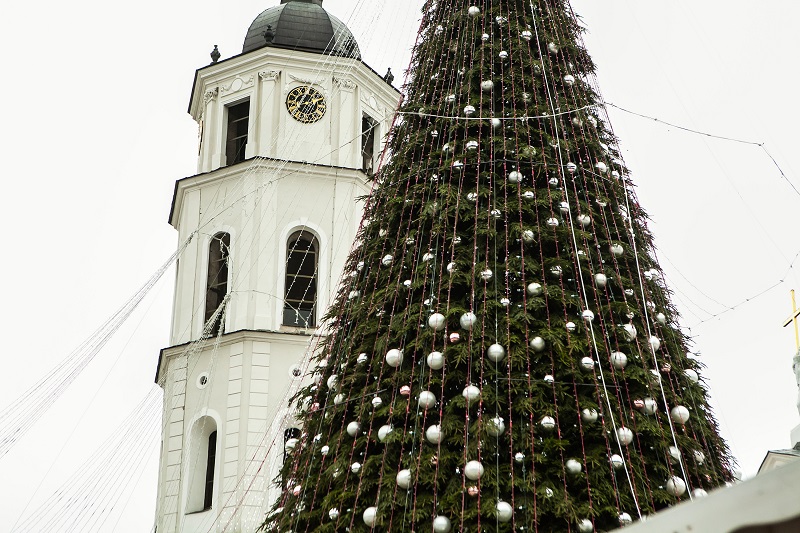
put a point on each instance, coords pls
(269, 75)
(211, 94)
(238, 84)
(345, 84)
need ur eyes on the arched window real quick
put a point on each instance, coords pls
(211, 459)
(299, 304)
(217, 284)
(202, 465)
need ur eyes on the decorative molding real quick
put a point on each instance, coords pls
(345, 84)
(304, 80)
(238, 84)
(269, 75)
(211, 94)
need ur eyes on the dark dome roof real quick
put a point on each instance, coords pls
(302, 25)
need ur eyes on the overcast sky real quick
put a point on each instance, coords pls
(94, 132)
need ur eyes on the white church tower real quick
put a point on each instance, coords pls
(289, 131)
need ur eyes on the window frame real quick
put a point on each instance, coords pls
(307, 303)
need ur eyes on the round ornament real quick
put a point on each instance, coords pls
(674, 455)
(628, 292)
(691, 375)
(355, 467)
(601, 167)
(519, 457)
(495, 426)
(387, 260)
(474, 11)
(333, 382)
(538, 344)
(679, 414)
(617, 250)
(630, 332)
(468, 320)
(528, 236)
(601, 280)
(526, 35)
(552, 48)
(427, 399)
(528, 195)
(434, 434)
(655, 343)
(353, 428)
(676, 486)
(552, 222)
(573, 466)
(587, 316)
(624, 435)
(638, 404)
(458, 165)
(485, 37)
(435, 360)
(503, 54)
(496, 123)
(291, 444)
(553, 182)
(548, 423)
(441, 524)
(625, 519)
(570, 326)
(564, 208)
(535, 289)
(699, 493)
(353, 295)
(377, 402)
(383, 432)
(451, 267)
(556, 271)
(437, 321)
(333, 513)
(407, 284)
(587, 364)
(403, 478)
(589, 415)
(650, 406)
(394, 357)
(495, 353)
(325, 450)
(405, 390)
(619, 360)
(617, 461)
(472, 146)
(370, 516)
(339, 398)
(473, 491)
(471, 393)
(662, 318)
(473, 470)
(362, 358)
(571, 167)
(297, 490)
(469, 110)
(514, 176)
(549, 379)
(569, 80)
(455, 338)
(473, 196)
(496, 213)
(487, 85)
(486, 275)
(504, 511)
(585, 526)
(699, 457)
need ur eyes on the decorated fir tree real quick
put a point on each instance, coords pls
(503, 354)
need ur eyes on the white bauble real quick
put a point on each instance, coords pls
(679, 414)
(548, 423)
(549, 379)
(619, 360)
(473, 470)
(601, 167)
(495, 426)
(339, 398)
(589, 415)
(437, 321)
(434, 434)
(584, 220)
(601, 280)
(451, 267)
(556, 271)
(468, 320)
(355, 467)
(496, 123)
(699, 493)
(325, 450)
(377, 402)
(624, 435)
(387, 260)
(333, 513)
(617, 250)
(404, 478)
(552, 48)
(676, 486)
(527, 35)
(528, 236)
(691, 375)
(435, 360)
(353, 428)
(505, 302)
(514, 176)
(519, 457)
(535, 289)
(700, 457)
(362, 358)
(650, 406)
(625, 519)
(587, 315)
(291, 444)
(573, 466)
(662, 318)
(441, 524)
(569, 80)
(587, 364)
(471, 393)
(427, 399)
(585, 526)
(474, 11)
(486, 275)
(571, 168)
(394, 357)
(495, 353)
(655, 343)
(538, 344)
(383, 432)
(570, 326)
(333, 382)
(552, 222)
(504, 511)
(617, 461)
(370, 516)
(487, 85)
(674, 455)
(630, 331)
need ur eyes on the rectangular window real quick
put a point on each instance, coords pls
(238, 125)
(369, 128)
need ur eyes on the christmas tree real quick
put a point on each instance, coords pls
(503, 354)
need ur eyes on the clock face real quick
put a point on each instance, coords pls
(306, 104)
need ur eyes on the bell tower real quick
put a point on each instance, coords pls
(290, 130)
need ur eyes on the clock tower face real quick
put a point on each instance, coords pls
(306, 104)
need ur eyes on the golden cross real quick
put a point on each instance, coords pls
(793, 318)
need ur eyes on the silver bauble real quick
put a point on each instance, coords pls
(472, 196)
(571, 167)
(291, 444)
(333, 514)
(552, 48)
(496, 123)
(355, 467)
(437, 321)
(485, 37)
(564, 208)
(487, 85)
(699, 457)
(435, 360)
(570, 326)
(451, 267)
(526, 35)
(691, 375)
(601, 167)
(394, 357)
(535, 289)
(587, 364)
(370, 516)
(662, 318)
(377, 402)
(528, 195)
(552, 222)
(504, 511)
(584, 220)
(495, 426)
(538, 344)
(496, 213)
(617, 250)
(676, 486)
(495, 353)
(383, 432)
(617, 461)
(353, 295)
(548, 423)
(514, 176)
(339, 398)
(353, 428)
(503, 54)
(474, 11)
(573, 466)
(587, 316)
(625, 519)
(528, 236)
(585, 526)
(589, 415)
(441, 524)
(601, 280)
(655, 343)
(434, 434)
(569, 80)
(387, 260)
(674, 455)
(500, 20)
(468, 320)
(333, 382)
(553, 182)
(679, 414)
(362, 358)
(403, 478)
(407, 284)
(699, 493)
(324, 450)
(473, 470)
(486, 275)
(624, 435)
(556, 271)
(650, 406)
(458, 165)
(630, 331)
(472, 146)
(471, 393)
(469, 110)
(519, 457)
(427, 399)
(619, 360)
